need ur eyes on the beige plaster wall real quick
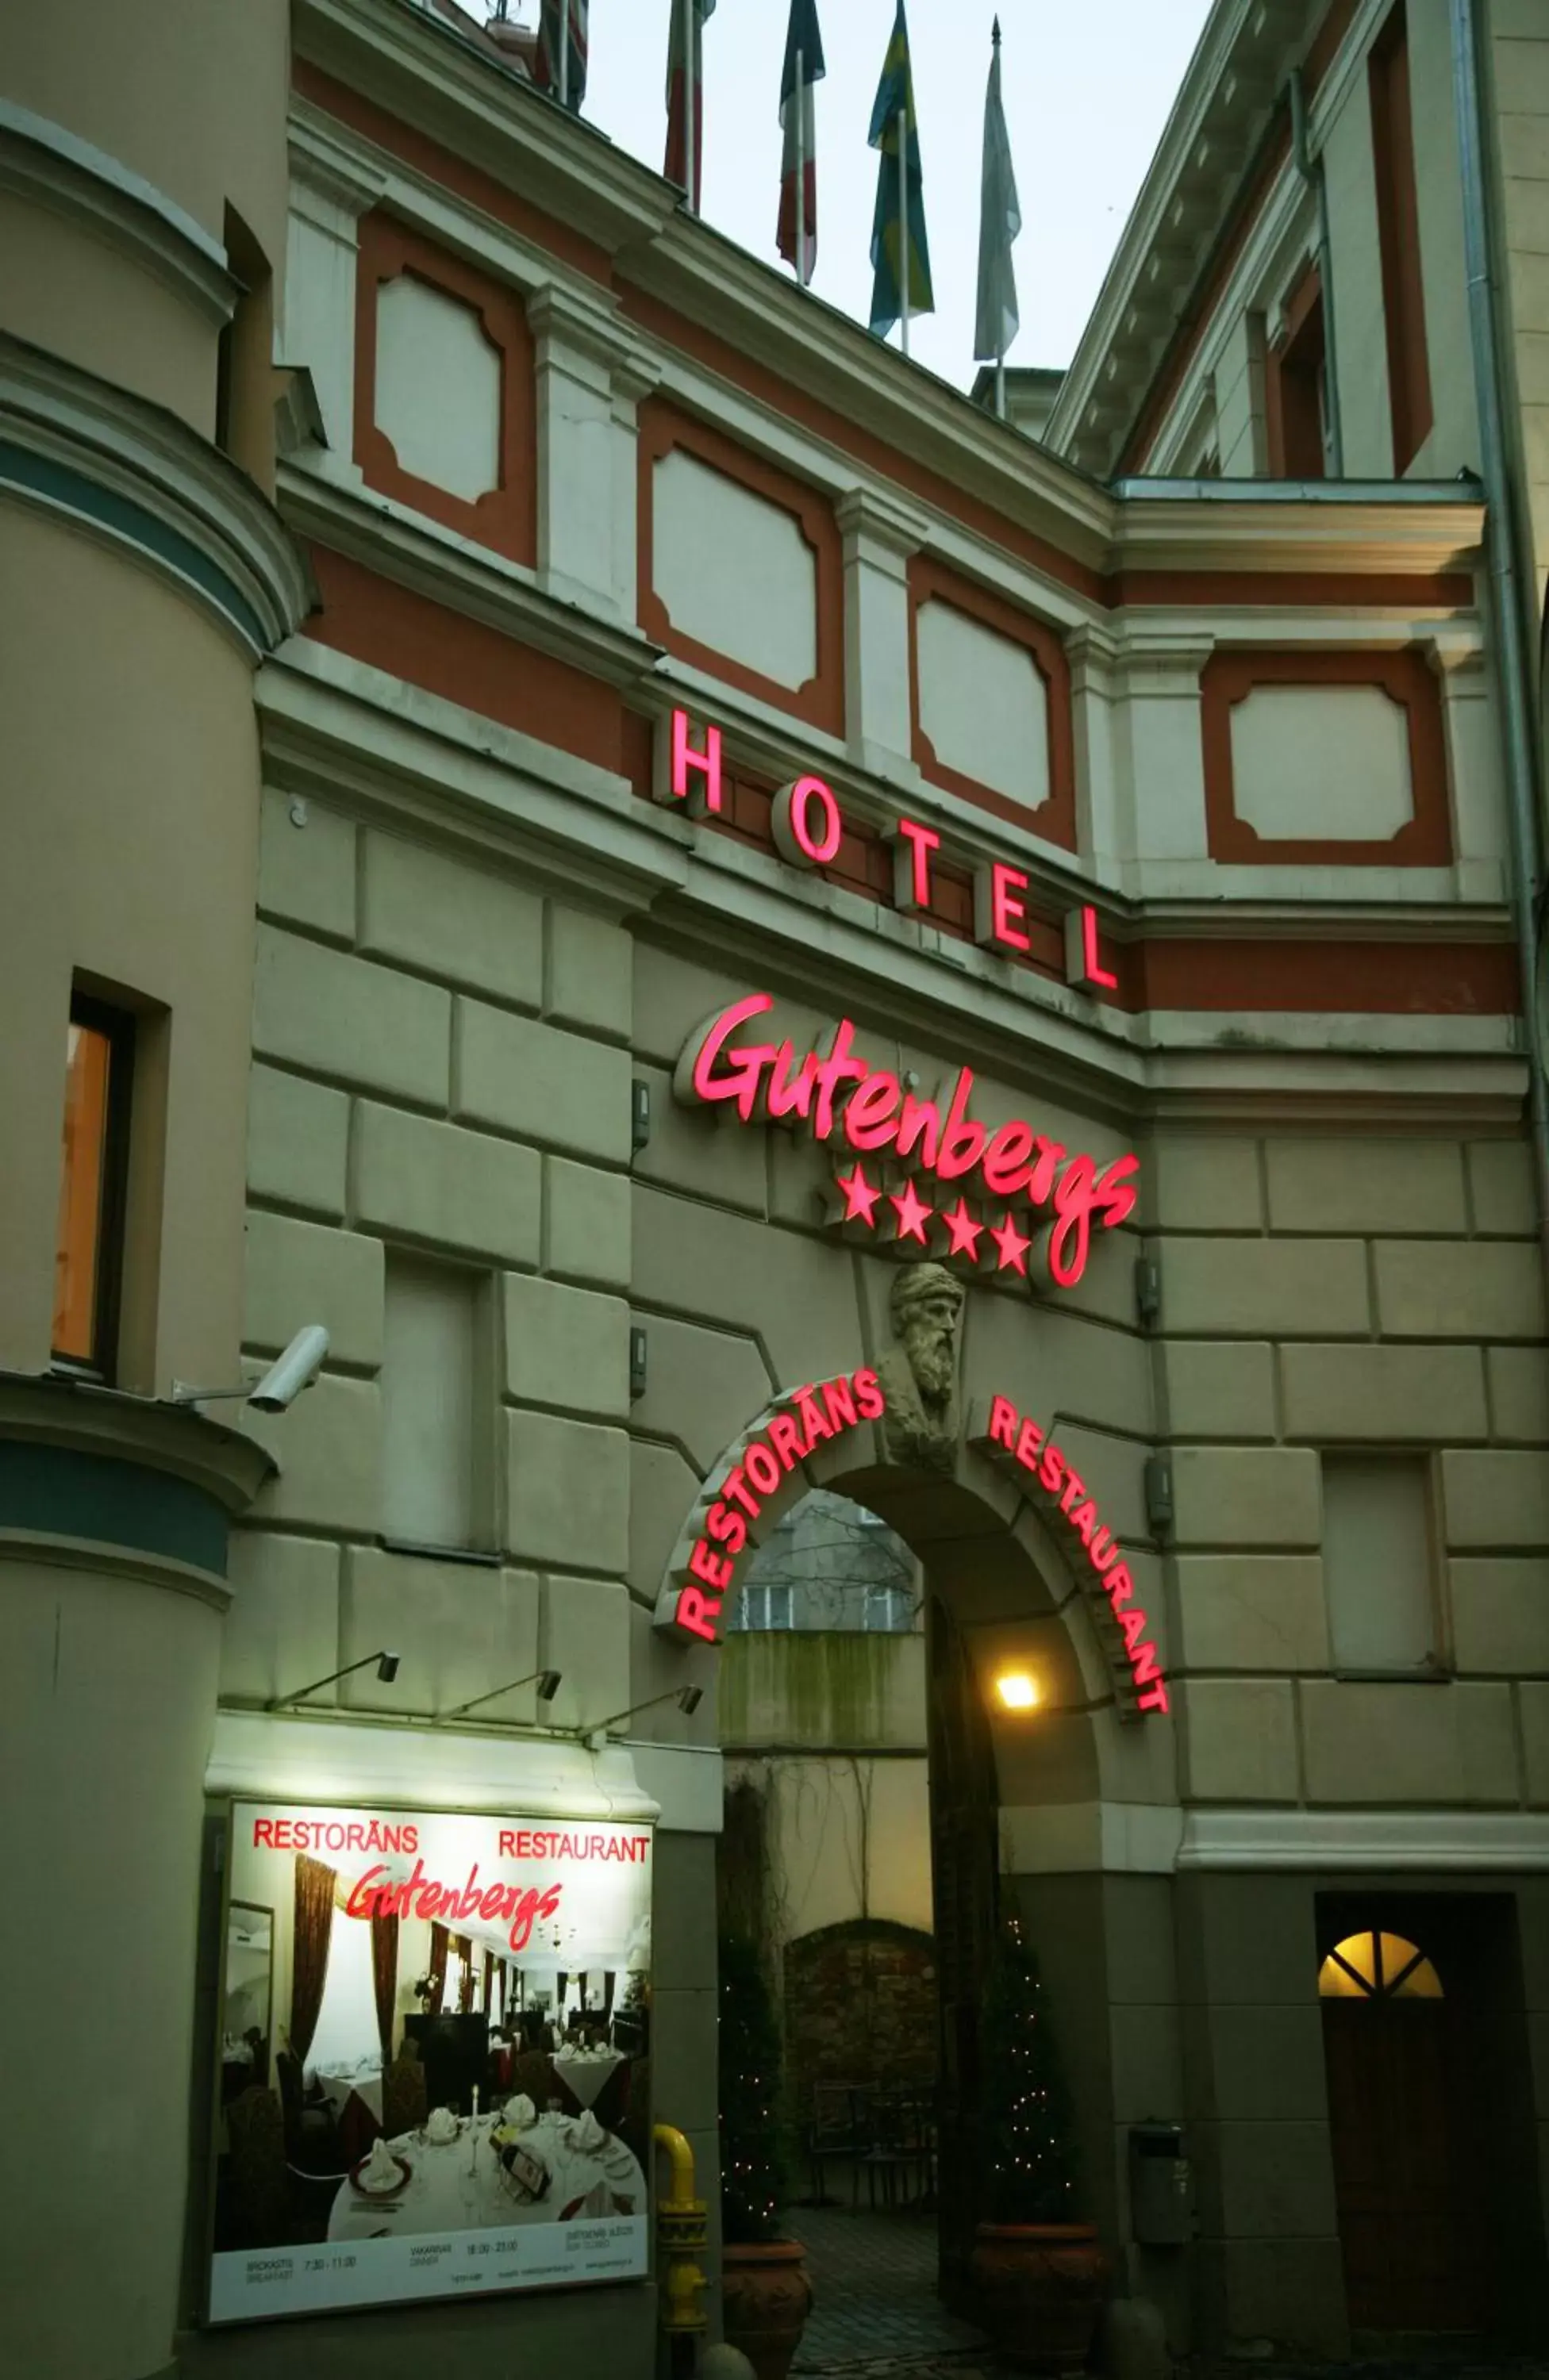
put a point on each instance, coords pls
(106, 1694)
(847, 1838)
(194, 116)
(127, 853)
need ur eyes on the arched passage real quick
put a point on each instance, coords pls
(1002, 1594)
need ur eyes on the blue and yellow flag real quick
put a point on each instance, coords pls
(892, 117)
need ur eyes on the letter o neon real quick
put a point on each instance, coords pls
(762, 1468)
(793, 824)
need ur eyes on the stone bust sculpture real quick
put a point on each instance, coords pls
(920, 1374)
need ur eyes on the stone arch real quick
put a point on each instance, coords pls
(990, 1550)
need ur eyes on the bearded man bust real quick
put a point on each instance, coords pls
(920, 1375)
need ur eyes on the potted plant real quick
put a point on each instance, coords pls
(1037, 2270)
(765, 2292)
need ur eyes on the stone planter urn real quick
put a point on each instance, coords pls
(765, 2299)
(1038, 2290)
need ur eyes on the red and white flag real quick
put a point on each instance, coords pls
(797, 232)
(686, 95)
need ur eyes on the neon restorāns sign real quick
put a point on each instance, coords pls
(701, 1576)
(809, 827)
(841, 1097)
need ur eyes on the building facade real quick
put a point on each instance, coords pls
(759, 929)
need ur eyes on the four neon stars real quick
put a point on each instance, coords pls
(862, 1198)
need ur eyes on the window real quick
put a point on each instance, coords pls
(98, 1067)
(1392, 159)
(1379, 1565)
(1295, 412)
(766, 1607)
(433, 1491)
(886, 1610)
(1377, 1967)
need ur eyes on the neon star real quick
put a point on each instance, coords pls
(966, 1233)
(913, 1212)
(1013, 1245)
(860, 1199)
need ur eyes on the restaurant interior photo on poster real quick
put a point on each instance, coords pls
(434, 2058)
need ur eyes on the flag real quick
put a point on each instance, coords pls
(797, 232)
(1000, 219)
(683, 76)
(546, 70)
(891, 241)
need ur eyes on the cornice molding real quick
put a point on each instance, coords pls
(338, 730)
(45, 163)
(419, 553)
(415, 65)
(1220, 114)
(1362, 531)
(134, 476)
(51, 1410)
(1378, 1842)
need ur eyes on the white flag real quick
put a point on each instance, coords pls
(1000, 220)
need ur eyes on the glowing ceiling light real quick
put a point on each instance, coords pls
(1018, 1692)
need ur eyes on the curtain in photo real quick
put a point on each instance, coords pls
(384, 1981)
(309, 1964)
(439, 1940)
(489, 1985)
(465, 1986)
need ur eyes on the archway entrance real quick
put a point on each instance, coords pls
(866, 1777)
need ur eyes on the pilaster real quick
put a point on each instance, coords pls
(880, 535)
(592, 378)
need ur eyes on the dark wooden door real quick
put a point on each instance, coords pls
(1401, 2175)
(963, 1868)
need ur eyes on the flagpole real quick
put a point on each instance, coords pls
(1000, 388)
(689, 174)
(801, 97)
(903, 222)
(565, 55)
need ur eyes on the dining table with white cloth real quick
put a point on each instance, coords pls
(585, 2072)
(459, 2185)
(364, 2079)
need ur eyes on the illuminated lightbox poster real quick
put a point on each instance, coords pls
(435, 2030)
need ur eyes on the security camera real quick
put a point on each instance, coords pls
(292, 1372)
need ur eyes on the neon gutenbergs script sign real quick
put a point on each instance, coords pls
(841, 1098)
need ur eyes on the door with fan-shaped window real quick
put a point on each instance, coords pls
(1401, 2173)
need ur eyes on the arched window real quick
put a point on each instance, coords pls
(1377, 1967)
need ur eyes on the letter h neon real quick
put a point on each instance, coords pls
(687, 762)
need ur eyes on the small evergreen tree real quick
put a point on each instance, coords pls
(1027, 2128)
(751, 2179)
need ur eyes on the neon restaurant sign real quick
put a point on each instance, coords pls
(866, 1115)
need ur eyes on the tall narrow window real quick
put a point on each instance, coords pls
(98, 1063)
(1379, 1564)
(431, 1489)
(1294, 410)
(1393, 158)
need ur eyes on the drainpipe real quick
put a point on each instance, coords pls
(1505, 605)
(1311, 171)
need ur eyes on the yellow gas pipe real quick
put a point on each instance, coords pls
(682, 2229)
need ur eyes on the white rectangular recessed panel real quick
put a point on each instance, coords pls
(1323, 763)
(437, 388)
(982, 703)
(734, 571)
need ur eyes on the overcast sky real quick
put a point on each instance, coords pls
(1088, 86)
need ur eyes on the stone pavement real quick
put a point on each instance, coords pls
(875, 2311)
